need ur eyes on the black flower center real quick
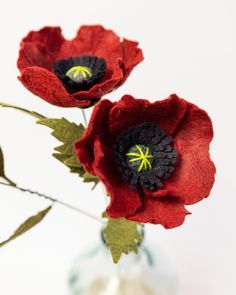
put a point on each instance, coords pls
(145, 156)
(80, 73)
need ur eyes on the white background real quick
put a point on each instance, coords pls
(189, 49)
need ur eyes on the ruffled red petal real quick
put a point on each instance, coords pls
(195, 173)
(40, 48)
(168, 212)
(130, 111)
(46, 85)
(98, 159)
(96, 129)
(93, 40)
(132, 56)
(123, 200)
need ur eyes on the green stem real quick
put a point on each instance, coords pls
(85, 119)
(78, 210)
(32, 113)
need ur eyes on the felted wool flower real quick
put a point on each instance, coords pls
(152, 157)
(77, 72)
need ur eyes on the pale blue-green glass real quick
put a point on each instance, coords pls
(148, 273)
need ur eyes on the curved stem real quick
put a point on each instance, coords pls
(85, 119)
(32, 113)
(54, 201)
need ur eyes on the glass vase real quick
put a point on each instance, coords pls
(147, 273)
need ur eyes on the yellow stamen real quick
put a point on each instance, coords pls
(76, 70)
(143, 158)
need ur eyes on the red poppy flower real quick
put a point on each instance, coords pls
(77, 72)
(152, 157)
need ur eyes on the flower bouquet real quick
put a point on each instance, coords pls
(152, 158)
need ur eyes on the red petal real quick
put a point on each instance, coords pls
(167, 212)
(130, 111)
(46, 85)
(124, 201)
(195, 172)
(97, 128)
(40, 48)
(93, 40)
(132, 56)
(99, 160)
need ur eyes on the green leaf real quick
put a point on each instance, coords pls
(32, 113)
(2, 169)
(122, 236)
(27, 225)
(68, 133)
(90, 178)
